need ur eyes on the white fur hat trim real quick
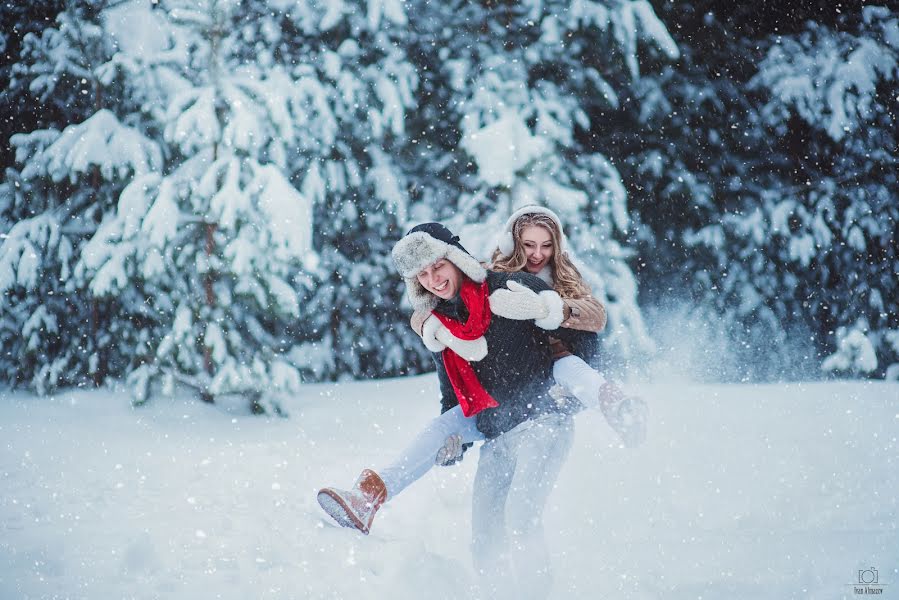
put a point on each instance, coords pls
(418, 250)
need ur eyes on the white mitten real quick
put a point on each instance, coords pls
(429, 334)
(521, 303)
(437, 337)
(470, 350)
(450, 452)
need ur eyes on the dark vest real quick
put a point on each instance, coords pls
(517, 370)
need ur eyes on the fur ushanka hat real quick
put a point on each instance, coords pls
(506, 243)
(424, 245)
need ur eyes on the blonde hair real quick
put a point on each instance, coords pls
(567, 280)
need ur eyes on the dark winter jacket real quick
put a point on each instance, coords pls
(517, 370)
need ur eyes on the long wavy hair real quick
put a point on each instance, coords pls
(567, 280)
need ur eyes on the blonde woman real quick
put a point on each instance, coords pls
(532, 241)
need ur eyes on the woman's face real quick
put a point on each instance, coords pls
(538, 247)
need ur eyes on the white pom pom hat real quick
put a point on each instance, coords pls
(505, 240)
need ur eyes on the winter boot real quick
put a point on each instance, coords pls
(627, 415)
(355, 508)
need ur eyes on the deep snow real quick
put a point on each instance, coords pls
(741, 491)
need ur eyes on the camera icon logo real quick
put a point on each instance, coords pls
(868, 575)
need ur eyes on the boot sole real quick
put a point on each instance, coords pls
(340, 512)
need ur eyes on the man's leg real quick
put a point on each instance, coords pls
(541, 449)
(356, 507)
(419, 456)
(489, 547)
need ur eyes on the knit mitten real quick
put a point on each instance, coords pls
(450, 452)
(437, 337)
(521, 303)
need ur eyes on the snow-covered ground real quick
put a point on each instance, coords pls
(772, 491)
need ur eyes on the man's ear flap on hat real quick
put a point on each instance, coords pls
(420, 298)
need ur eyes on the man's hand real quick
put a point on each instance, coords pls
(451, 451)
(437, 337)
(429, 330)
(522, 304)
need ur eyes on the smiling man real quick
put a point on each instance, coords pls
(443, 279)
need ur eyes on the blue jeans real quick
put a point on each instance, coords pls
(419, 456)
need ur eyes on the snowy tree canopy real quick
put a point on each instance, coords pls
(206, 193)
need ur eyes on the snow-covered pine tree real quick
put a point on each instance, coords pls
(691, 143)
(524, 79)
(18, 20)
(356, 87)
(809, 244)
(63, 183)
(837, 227)
(212, 249)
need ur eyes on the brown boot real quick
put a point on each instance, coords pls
(627, 415)
(355, 508)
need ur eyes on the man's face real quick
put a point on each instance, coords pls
(443, 279)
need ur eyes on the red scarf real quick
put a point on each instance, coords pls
(473, 398)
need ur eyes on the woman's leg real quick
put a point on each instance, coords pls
(489, 544)
(579, 379)
(418, 457)
(626, 414)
